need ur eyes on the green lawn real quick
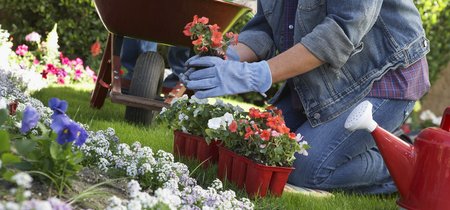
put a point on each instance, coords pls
(159, 137)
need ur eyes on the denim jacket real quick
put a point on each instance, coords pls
(359, 41)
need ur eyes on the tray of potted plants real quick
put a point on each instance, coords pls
(189, 117)
(257, 150)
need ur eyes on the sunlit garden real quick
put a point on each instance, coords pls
(57, 151)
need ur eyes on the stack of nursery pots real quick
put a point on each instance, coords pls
(189, 120)
(254, 150)
(257, 151)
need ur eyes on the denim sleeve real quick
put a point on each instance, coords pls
(257, 35)
(340, 33)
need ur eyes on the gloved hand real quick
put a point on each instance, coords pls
(231, 55)
(211, 76)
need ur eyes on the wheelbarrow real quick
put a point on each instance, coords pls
(157, 21)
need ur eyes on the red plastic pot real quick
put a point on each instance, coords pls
(239, 170)
(225, 163)
(208, 153)
(195, 147)
(179, 143)
(191, 146)
(260, 179)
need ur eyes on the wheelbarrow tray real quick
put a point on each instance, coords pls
(164, 21)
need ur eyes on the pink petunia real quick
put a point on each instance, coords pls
(22, 50)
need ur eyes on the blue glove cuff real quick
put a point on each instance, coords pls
(261, 77)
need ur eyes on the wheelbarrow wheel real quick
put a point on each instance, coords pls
(146, 81)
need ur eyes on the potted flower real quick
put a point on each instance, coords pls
(189, 117)
(207, 39)
(258, 150)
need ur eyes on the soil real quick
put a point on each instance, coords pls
(439, 96)
(86, 178)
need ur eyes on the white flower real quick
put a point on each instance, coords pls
(182, 98)
(12, 206)
(298, 138)
(228, 118)
(437, 120)
(27, 194)
(22, 179)
(2, 103)
(134, 205)
(214, 123)
(133, 188)
(164, 109)
(33, 37)
(427, 115)
(196, 100)
(303, 150)
(166, 196)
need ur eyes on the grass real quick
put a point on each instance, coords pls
(159, 137)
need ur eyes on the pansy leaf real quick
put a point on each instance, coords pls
(4, 141)
(25, 146)
(8, 158)
(3, 116)
(56, 151)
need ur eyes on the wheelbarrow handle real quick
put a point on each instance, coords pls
(445, 123)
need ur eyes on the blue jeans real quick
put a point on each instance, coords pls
(131, 49)
(342, 160)
(176, 57)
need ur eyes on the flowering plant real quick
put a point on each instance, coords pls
(44, 58)
(207, 39)
(31, 145)
(192, 115)
(261, 135)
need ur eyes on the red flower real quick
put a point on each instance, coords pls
(44, 73)
(216, 39)
(215, 27)
(187, 29)
(248, 132)
(121, 72)
(292, 136)
(96, 48)
(265, 135)
(233, 126)
(203, 20)
(199, 41)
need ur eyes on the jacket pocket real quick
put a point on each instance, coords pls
(308, 5)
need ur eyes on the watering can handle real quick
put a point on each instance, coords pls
(445, 123)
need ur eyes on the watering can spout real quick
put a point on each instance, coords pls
(397, 154)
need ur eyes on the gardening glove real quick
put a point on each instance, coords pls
(231, 55)
(211, 76)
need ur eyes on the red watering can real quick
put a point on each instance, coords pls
(421, 171)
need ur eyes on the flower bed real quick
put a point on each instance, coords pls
(169, 181)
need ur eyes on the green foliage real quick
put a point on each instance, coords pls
(78, 23)
(436, 22)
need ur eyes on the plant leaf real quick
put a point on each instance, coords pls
(5, 143)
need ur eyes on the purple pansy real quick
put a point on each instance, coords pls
(58, 106)
(68, 130)
(30, 119)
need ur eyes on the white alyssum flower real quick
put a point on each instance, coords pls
(2, 103)
(133, 188)
(22, 179)
(134, 205)
(12, 206)
(167, 196)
